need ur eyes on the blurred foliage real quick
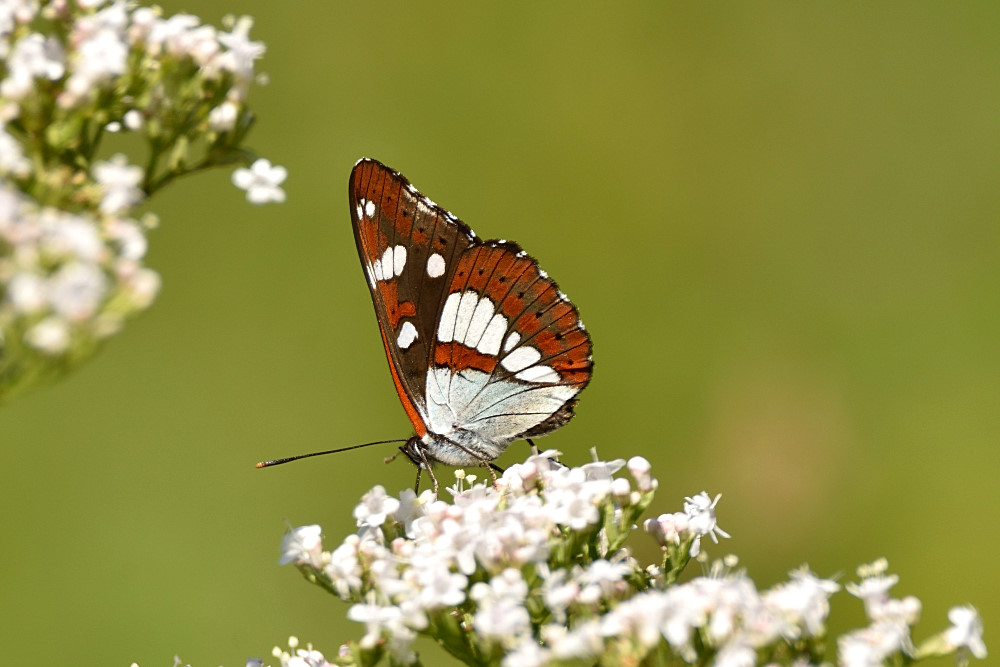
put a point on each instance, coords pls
(779, 222)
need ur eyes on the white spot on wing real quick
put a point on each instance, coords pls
(387, 264)
(399, 260)
(481, 317)
(370, 208)
(520, 358)
(446, 325)
(377, 269)
(513, 339)
(435, 266)
(407, 334)
(359, 209)
(490, 342)
(466, 307)
(538, 374)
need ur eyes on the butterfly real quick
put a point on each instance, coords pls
(483, 348)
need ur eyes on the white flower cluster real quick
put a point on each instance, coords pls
(71, 245)
(891, 619)
(535, 566)
(531, 571)
(94, 55)
(67, 276)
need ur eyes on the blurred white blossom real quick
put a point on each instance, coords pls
(261, 182)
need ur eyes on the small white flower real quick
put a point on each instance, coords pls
(77, 290)
(440, 587)
(27, 292)
(874, 591)
(50, 336)
(119, 181)
(223, 117)
(344, 569)
(241, 52)
(639, 467)
(527, 654)
(804, 600)
(374, 508)
(582, 642)
(261, 182)
(604, 575)
(33, 56)
(377, 619)
(869, 647)
(12, 160)
(99, 58)
(301, 546)
(701, 513)
(133, 120)
(736, 653)
(966, 631)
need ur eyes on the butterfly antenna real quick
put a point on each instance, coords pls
(278, 462)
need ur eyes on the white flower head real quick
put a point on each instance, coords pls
(120, 182)
(240, 52)
(966, 631)
(27, 292)
(639, 468)
(377, 619)
(223, 117)
(133, 120)
(261, 181)
(302, 545)
(12, 159)
(375, 507)
(50, 336)
(701, 513)
(873, 591)
(33, 56)
(77, 290)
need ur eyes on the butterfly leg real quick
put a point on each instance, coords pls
(489, 468)
(534, 447)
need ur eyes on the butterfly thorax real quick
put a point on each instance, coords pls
(459, 448)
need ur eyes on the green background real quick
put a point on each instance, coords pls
(779, 221)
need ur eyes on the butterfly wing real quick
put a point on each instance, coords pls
(510, 351)
(409, 248)
(483, 347)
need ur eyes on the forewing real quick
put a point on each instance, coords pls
(409, 249)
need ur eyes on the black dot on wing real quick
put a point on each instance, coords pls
(558, 336)
(482, 271)
(538, 314)
(420, 229)
(503, 279)
(520, 295)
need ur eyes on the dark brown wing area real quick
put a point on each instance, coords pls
(408, 285)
